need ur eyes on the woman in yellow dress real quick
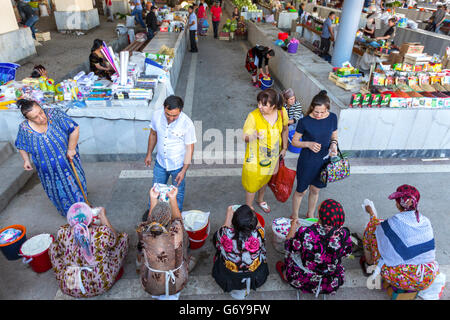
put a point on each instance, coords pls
(266, 136)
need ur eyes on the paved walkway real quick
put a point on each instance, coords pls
(217, 92)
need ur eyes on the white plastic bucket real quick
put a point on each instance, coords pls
(130, 21)
(43, 10)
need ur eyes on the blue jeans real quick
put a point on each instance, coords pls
(150, 33)
(30, 23)
(161, 175)
(138, 17)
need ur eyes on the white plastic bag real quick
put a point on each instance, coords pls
(434, 292)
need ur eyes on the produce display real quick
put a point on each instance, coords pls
(230, 26)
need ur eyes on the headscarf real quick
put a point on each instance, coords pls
(79, 218)
(331, 214)
(408, 198)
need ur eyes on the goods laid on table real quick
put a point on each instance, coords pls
(171, 20)
(346, 77)
(136, 79)
(248, 10)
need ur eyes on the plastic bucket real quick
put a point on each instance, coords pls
(290, 147)
(292, 47)
(39, 262)
(260, 219)
(198, 237)
(11, 249)
(266, 83)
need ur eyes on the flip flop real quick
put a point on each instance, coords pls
(280, 268)
(264, 206)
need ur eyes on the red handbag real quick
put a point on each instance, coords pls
(282, 182)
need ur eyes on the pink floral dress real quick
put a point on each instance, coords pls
(70, 266)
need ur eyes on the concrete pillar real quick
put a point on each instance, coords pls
(348, 26)
(15, 43)
(76, 15)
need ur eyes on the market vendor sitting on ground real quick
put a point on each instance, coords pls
(163, 218)
(240, 260)
(293, 107)
(39, 71)
(290, 6)
(236, 14)
(369, 29)
(87, 259)
(314, 254)
(98, 63)
(256, 58)
(389, 35)
(402, 246)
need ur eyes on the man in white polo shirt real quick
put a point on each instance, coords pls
(173, 134)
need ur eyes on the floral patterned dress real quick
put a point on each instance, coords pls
(405, 276)
(313, 260)
(69, 264)
(234, 263)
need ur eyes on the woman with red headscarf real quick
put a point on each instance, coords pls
(402, 246)
(313, 263)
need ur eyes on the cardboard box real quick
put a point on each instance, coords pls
(43, 36)
(416, 58)
(396, 294)
(394, 57)
(411, 47)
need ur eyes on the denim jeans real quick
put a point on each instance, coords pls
(138, 17)
(30, 23)
(161, 175)
(216, 28)
(150, 33)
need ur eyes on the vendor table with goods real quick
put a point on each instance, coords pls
(379, 126)
(114, 116)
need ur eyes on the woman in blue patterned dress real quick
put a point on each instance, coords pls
(50, 136)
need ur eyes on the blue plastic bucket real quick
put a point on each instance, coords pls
(11, 249)
(290, 147)
(8, 72)
(266, 83)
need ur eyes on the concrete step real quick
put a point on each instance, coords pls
(6, 150)
(13, 178)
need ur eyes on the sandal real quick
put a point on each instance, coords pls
(264, 206)
(280, 266)
(363, 264)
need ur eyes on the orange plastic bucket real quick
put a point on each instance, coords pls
(11, 249)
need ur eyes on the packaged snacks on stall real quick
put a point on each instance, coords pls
(385, 100)
(397, 101)
(378, 79)
(366, 100)
(356, 100)
(375, 100)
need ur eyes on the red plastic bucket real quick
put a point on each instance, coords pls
(198, 237)
(39, 262)
(11, 249)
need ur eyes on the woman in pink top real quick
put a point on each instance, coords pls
(201, 15)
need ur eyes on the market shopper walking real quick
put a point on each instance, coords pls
(173, 134)
(50, 136)
(318, 130)
(192, 29)
(216, 14)
(201, 15)
(266, 137)
(137, 12)
(327, 36)
(437, 18)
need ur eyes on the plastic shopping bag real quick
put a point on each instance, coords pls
(434, 292)
(282, 181)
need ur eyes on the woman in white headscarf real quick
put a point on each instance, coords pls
(87, 259)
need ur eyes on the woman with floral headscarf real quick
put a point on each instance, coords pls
(87, 259)
(402, 246)
(314, 253)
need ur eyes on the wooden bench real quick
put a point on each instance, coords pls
(135, 46)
